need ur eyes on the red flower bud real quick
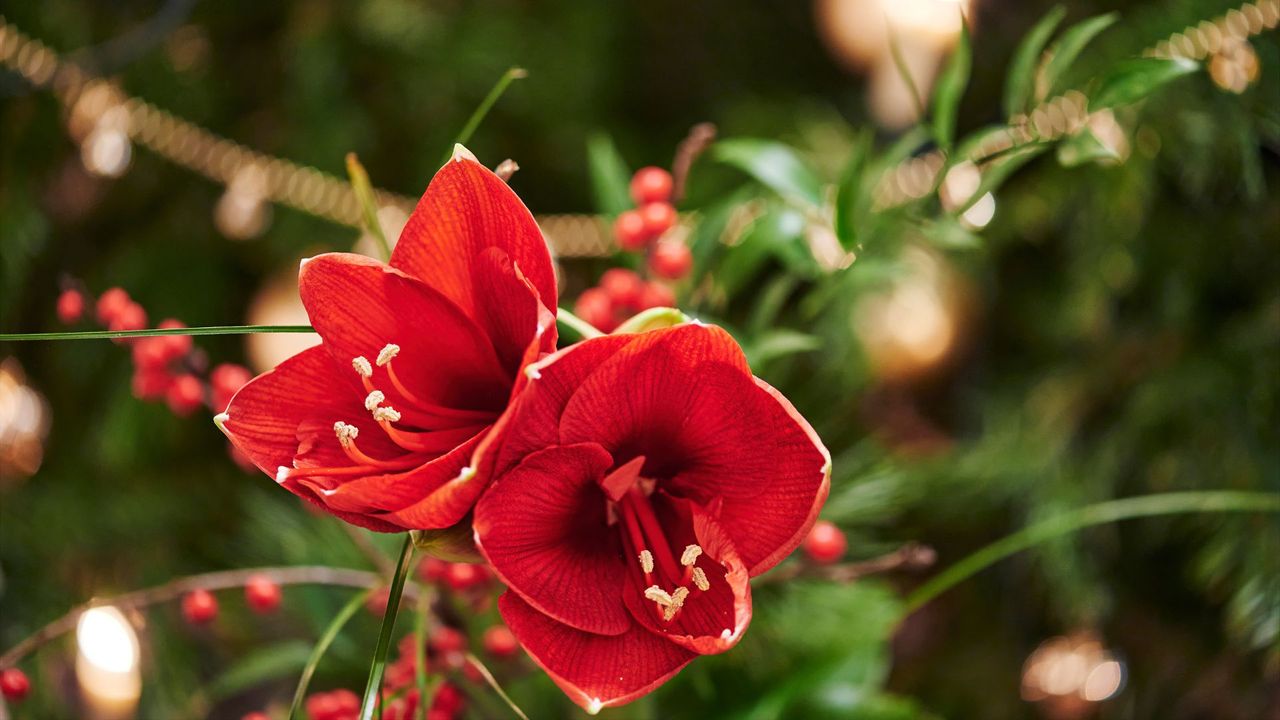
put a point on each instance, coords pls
(595, 307)
(623, 287)
(262, 594)
(14, 684)
(651, 185)
(185, 395)
(658, 218)
(825, 543)
(631, 231)
(70, 306)
(499, 642)
(110, 303)
(199, 607)
(671, 260)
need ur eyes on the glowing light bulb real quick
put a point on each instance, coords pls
(242, 212)
(107, 663)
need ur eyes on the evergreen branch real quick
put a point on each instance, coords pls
(1099, 514)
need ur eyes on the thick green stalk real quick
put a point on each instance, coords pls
(1099, 514)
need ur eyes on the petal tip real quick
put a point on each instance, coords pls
(461, 153)
(594, 706)
(282, 474)
(220, 420)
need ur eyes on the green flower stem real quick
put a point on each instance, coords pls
(1107, 512)
(511, 75)
(420, 632)
(368, 204)
(373, 688)
(322, 645)
(152, 332)
(577, 328)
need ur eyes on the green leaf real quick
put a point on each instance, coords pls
(949, 234)
(997, 171)
(1135, 79)
(473, 123)
(610, 176)
(1067, 49)
(452, 544)
(773, 164)
(904, 73)
(1022, 67)
(259, 666)
(574, 327)
(850, 196)
(1085, 147)
(652, 319)
(326, 639)
(774, 344)
(951, 86)
(368, 205)
(373, 687)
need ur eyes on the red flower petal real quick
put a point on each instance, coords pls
(509, 310)
(710, 621)
(465, 210)
(543, 528)
(359, 306)
(595, 671)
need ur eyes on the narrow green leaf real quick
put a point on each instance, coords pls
(322, 645)
(373, 688)
(1022, 67)
(368, 205)
(1135, 79)
(851, 196)
(774, 165)
(268, 663)
(1084, 147)
(1099, 514)
(780, 343)
(951, 86)
(493, 683)
(610, 176)
(997, 171)
(652, 319)
(511, 75)
(904, 72)
(420, 634)
(152, 332)
(1067, 49)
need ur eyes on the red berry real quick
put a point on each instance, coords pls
(445, 639)
(464, 576)
(262, 594)
(176, 346)
(472, 672)
(448, 699)
(14, 684)
(671, 260)
(658, 218)
(657, 295)
(199, 607)
(256, 715)
(70, 306)
(185, 394)
(110, 303)
(825, 543)
(623, 287)
(150, 353)
(595, 307)
(651, 185)
(227, 379)
(630, 230)
(129, 317)
(377, 602)
(432, 569)
(151, 384)
(499, 642)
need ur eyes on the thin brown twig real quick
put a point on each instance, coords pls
(694, 144)
(912, 556)
(298, 575)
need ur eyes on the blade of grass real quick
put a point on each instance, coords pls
(577, 327)
(493, 683)
(904, 71)
(1098, 514)
(368, 205)
(420, 653)
(373, 688)
(1022, 67)
(209, 330)
(511, 75)
(322, 645)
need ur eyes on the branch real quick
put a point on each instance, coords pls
(912, 556)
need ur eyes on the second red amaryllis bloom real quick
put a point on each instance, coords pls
(638, 482)
(419, 358)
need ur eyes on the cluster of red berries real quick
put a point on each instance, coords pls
(620, 294)
(165, 367)
(643, 228)
(14, 684)
(825, 543)
(261, 594)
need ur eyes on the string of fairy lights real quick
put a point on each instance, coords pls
(107, 123)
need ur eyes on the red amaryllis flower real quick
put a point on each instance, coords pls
(377, 424)
(638, 482)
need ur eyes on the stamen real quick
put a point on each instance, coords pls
(362, 366)
(646, 561)
(388, 353)
(658, 595)
(700, 579)
(677, 602)
(690, 555)
(373, 400)
(346, 433)
(386, 414)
